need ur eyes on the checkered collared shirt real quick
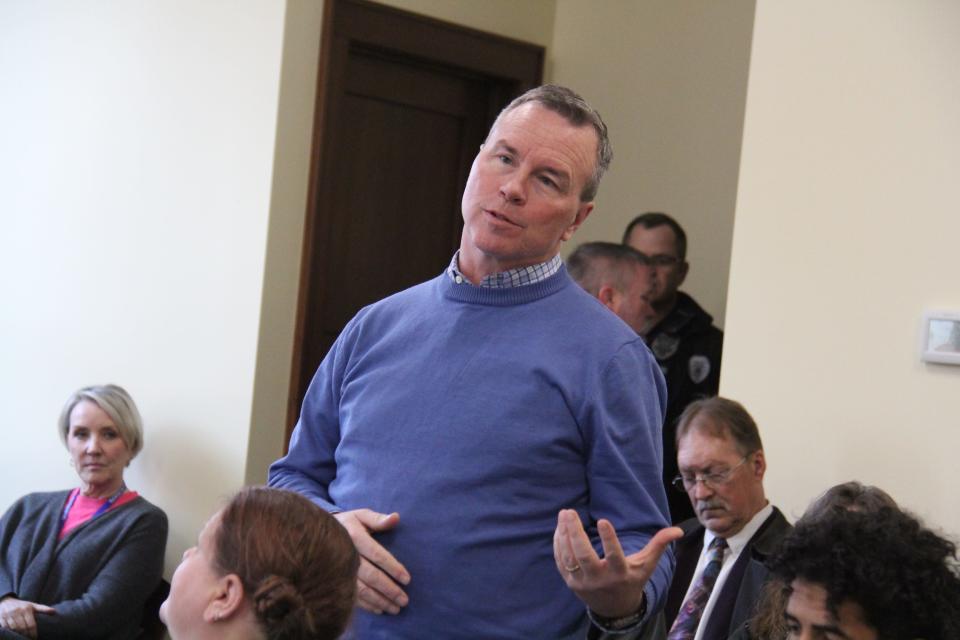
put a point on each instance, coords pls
(511, 278)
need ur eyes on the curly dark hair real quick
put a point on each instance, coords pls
(905, 577)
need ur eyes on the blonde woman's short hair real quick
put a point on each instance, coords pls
(116, 403)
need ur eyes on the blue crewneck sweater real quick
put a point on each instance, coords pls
(478, 414)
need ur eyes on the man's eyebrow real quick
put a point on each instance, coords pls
(557, 173)
(560, 175)
(502, 145)
(831, 628)
(707, 469)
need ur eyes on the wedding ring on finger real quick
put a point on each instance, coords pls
(572, 569)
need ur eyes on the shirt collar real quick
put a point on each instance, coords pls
(740, 539)
(517, 277)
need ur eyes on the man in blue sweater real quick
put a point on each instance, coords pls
(480, 435)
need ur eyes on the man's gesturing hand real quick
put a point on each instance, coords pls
(377, 589)
(612, 586)
(20, 615)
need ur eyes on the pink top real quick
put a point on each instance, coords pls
(84, 507)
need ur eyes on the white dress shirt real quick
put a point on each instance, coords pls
(735, 545)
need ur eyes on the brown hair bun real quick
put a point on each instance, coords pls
(297, 564)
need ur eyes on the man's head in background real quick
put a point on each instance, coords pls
(721, 462)
(616, 275)
(663, 244)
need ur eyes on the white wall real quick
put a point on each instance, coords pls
(136, 168)
(846, 231)
(670, 80)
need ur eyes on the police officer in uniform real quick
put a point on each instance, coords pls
(682, 336)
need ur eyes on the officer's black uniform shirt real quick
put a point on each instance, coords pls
(688, 348)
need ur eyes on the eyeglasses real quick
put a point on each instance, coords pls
(713, 479)
(659, 260)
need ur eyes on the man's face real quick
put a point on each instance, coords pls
(522, 198)
(808, 617)
(633, 304)
(723, 507)
(660, 244)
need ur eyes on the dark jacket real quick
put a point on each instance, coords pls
(740, 592)
(688, 349)
(97, 578)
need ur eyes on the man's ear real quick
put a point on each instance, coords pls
(683, 269)
(608, 296)
(759, 464)
(227, 601)
(582, 213)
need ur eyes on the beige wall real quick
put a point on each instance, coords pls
(846, 231)
(284, 239)
(670, 80)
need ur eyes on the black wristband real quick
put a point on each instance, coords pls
(619, 624)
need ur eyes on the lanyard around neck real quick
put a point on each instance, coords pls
(103, 508)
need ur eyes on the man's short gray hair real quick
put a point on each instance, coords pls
(594, 264)
(116, 403)
(575, 110)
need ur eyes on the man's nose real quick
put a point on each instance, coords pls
(701, 490)
(512, 189)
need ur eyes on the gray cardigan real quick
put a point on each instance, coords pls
(97, 578)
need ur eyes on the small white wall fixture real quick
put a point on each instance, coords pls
(941, 337)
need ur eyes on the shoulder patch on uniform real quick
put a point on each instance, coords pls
(664, 346)
(699, 368)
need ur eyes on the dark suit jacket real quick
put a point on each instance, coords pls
(740, 592)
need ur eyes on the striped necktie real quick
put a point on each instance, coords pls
(688, 618)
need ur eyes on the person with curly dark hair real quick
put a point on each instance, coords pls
(869, 576)
(768, 621)
(270, 565)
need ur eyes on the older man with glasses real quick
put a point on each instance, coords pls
(720, 559)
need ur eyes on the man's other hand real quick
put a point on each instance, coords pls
(611, 586)
(377, 588)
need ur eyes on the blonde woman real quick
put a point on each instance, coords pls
(81, 563)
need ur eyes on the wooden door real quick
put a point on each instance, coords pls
(404, 102)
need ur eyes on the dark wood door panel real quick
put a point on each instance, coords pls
(394, 208)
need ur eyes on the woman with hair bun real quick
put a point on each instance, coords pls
(270, 565)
